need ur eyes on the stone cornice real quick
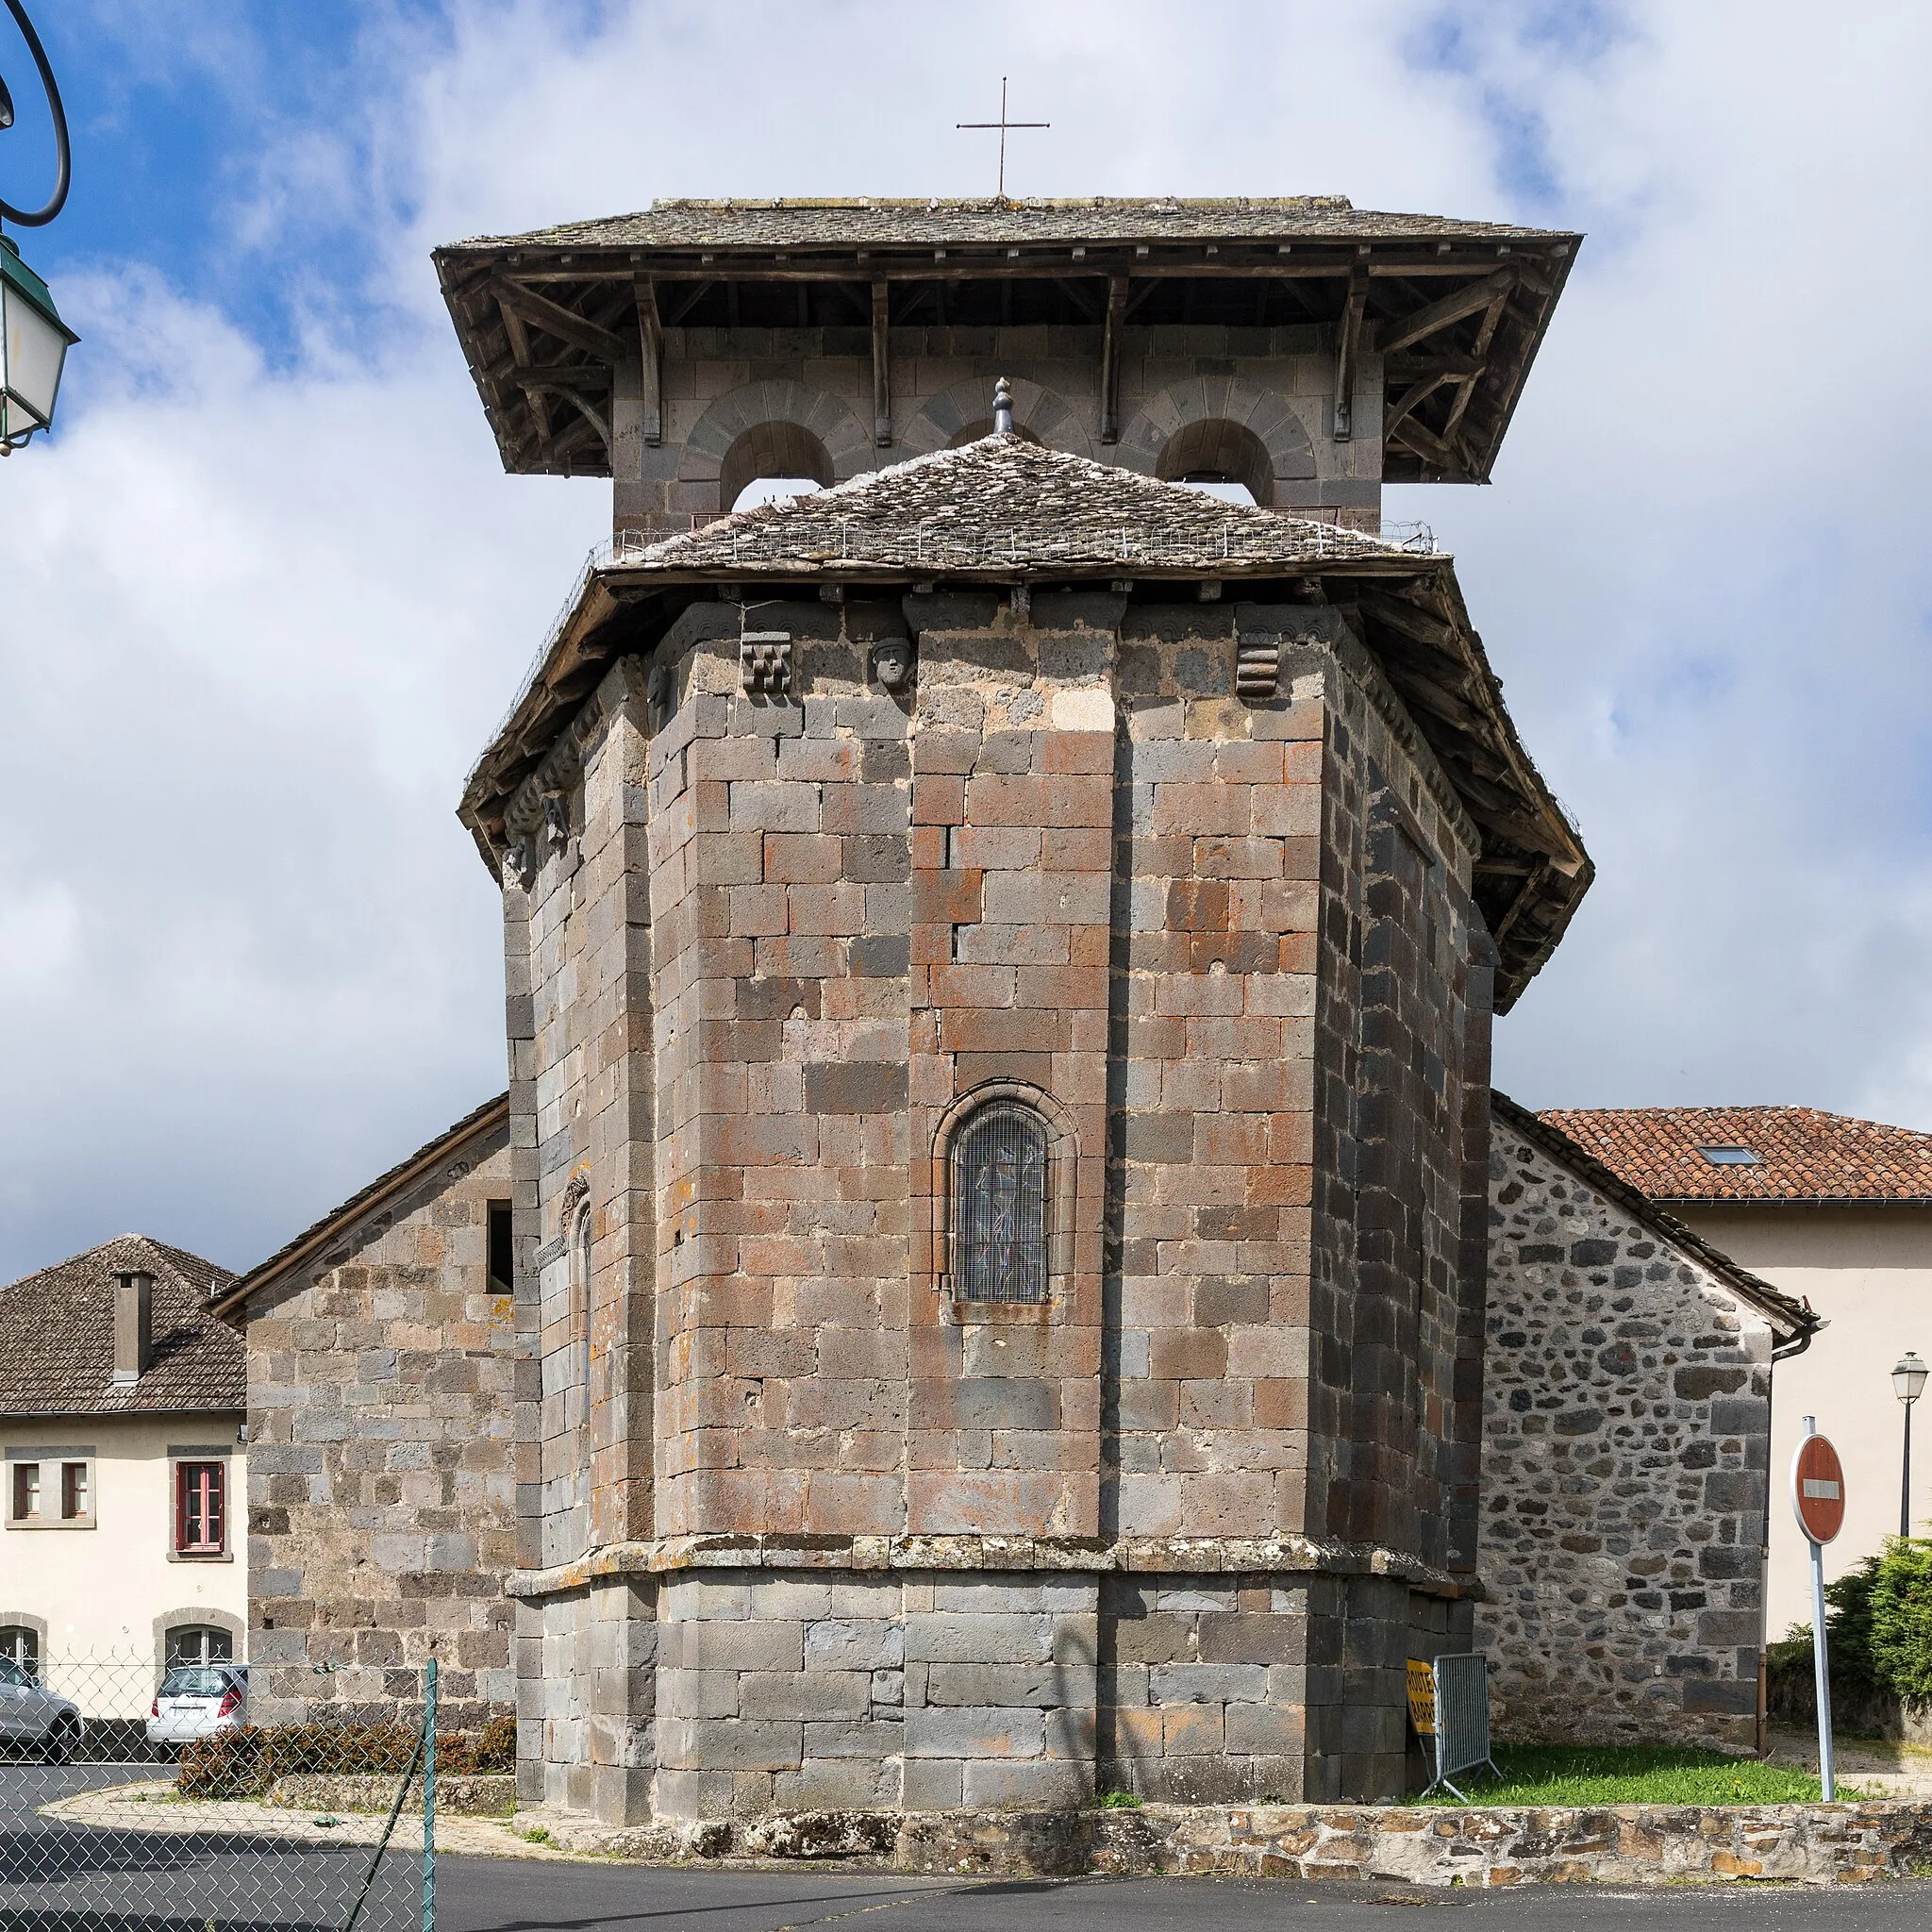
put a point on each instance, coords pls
(1187, 1556)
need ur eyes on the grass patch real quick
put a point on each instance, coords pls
(1119, 1801)
(1633, 1775)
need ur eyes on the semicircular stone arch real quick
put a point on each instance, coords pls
(1038, 412)
(737, 418)
(1265, 414)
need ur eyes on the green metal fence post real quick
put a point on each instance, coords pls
(429, 1799)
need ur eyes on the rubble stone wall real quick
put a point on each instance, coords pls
(1627, 1429)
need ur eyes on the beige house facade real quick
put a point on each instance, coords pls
(122, 1426)
(1835, 1211)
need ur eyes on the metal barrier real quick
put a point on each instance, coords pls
(1461, 1685)
(201, 1795)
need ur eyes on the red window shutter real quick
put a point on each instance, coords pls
(181, 1507)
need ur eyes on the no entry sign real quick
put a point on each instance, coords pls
(1818, 1489)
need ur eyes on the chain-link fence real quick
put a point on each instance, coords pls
(196, 1793)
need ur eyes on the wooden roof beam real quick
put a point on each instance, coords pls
(1399, 332)
(554, 319)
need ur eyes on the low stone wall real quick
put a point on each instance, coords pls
(1624, 1844)
(463, 1794)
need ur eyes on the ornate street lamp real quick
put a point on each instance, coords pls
(33, 340)
(1908, 1384)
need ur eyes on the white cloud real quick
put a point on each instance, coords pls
(259, 616)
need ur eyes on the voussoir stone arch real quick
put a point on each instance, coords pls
(949, 418)
(763, 405)
(1231, 399)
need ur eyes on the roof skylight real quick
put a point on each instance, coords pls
(1730, 1157)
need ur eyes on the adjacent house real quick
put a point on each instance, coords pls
(123, 1424)
(1834, 1210)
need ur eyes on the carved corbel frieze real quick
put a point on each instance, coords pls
(539, 816)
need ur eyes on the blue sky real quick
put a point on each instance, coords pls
(267, 590)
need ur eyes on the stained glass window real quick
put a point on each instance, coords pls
(999, 1204)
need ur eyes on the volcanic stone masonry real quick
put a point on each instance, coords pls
(1626, 1459)
(776, 951)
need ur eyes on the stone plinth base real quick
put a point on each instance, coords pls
(1625, 1844)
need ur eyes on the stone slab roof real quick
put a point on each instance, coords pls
(57, 1336)
(1458, 308)
(1790, 1318)
(806, 220)
(1005, 511)
(312, 1238)
(1802, 1153)
(1002, 504)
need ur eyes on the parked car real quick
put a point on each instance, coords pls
(33, 1719)
(196, 1701)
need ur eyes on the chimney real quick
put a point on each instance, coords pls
(134, 1325)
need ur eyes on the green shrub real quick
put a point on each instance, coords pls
(246, 1763)
(1899, 1617)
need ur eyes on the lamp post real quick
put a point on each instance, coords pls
(33, 340)
(1908, 1384)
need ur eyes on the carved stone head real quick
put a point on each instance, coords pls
(892, 663)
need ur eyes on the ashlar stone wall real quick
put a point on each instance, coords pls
(772, 947)
(382, 1422)
(1626, 1444)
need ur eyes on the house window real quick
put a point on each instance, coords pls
(24, 1502)
(999, 1183)
(76, 1493)
(20, 1645)
(197, 1645)
(200, 1517)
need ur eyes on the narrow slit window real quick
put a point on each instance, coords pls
(999, 1206)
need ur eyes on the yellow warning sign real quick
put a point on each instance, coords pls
(1422, 1697)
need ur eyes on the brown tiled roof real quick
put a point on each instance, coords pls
(1803, 1153)
(804, 222)
(1002, 505)
(57, 1336)
(1790, 1318)
(236, 1288)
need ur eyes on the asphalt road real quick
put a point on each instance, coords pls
(505, 1896)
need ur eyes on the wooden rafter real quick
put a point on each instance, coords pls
(554, 319)
(1400, 332)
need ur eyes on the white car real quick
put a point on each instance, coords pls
(35, 1720)
(196, 1701)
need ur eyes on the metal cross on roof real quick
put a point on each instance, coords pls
(1003, 125)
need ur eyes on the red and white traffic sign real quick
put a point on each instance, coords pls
(1818, 1489)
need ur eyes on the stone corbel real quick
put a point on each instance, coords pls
(1258, 669)
(764, 661)
(539, 816)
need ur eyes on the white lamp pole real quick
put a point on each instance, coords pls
(1908, 1384)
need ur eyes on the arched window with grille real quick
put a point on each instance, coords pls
(1001, 1187)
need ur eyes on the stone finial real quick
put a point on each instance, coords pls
(1002, 408)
